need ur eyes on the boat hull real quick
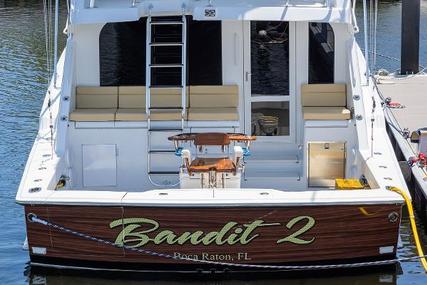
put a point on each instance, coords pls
(213, 237)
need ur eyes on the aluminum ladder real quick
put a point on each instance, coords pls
(151, 67)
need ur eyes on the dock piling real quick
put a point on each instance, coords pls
(410, 45)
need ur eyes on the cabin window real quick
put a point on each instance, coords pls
(321, 53)
(122, 53)
(270, 118)
(204, 52)
(270, 58)
(123, 47)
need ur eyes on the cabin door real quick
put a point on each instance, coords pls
(269, 80)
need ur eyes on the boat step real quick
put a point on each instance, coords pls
(166, 22)
(165, 44)
(164, 65)
(275, 154)
(273, 162)
(279, 183)
(291, 172)
(163, 173)
(271, 178)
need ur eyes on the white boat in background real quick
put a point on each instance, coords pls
(179, 135)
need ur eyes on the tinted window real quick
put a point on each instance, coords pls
(269, 58)
(270, 118)
(205, 53)
(122, 53)
(321, 53)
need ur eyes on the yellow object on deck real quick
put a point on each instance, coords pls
(413, 224)
(348, 184)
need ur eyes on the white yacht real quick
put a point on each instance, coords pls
(188, 134)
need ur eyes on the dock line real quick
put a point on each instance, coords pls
(413, 224)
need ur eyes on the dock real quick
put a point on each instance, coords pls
(406, 113)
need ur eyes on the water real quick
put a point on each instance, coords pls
(22, 88)
(388, 35)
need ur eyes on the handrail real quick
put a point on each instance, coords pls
(354, 18)
(365, 39)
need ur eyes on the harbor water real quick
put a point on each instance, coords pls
(23, 79)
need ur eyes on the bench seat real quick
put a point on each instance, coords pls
(214, 103)
(93, 115)
(131, 114)
(95, 104)
(326, 113)
(213, 114)
(324, 102)
(165, 115)
(127, 103)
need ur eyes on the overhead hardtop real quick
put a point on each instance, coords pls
(102, 11)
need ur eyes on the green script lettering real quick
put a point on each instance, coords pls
(131, 224)
(138, 232)
(294, 238)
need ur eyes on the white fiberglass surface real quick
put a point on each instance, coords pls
(99, 165)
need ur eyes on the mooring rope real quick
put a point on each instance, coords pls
(35, 219)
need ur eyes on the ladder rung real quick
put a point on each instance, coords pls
(165, 130)
(161, 151)
(160, 65)
(166, 86)
(176, 64)
(166, 44)
(166, 22)
(165, 108)
(162, 172)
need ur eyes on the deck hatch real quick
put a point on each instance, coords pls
(326, 162)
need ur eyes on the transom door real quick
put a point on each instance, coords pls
(270, 79)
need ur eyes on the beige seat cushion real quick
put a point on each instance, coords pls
(132, 97)
(166, 97)
(218, 96)
(165, 115)
(96, 97)
(323, 95)
(93, 115)
(213, 114)
(131, 114)
(326, 113)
